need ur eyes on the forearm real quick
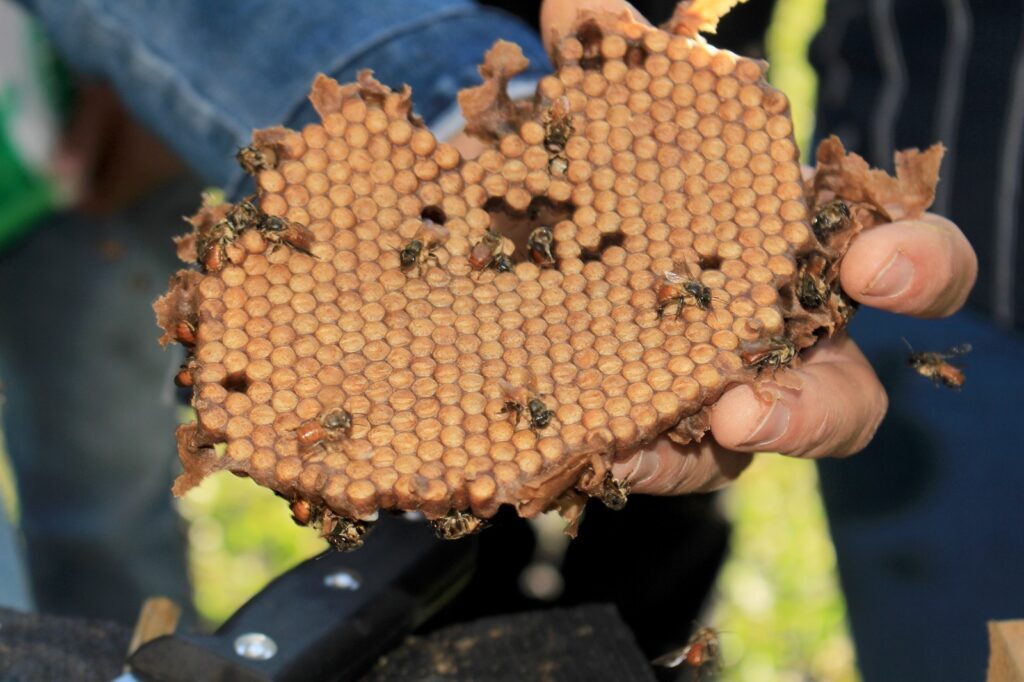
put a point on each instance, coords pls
(204, 75)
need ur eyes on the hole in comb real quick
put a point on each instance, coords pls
(636, 55)
(236, 383)
(434, 214)
(517, 225)
(589, 35)
(608, 240)
(710, 262)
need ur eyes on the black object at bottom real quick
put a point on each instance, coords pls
(320, 631)
(561, 645)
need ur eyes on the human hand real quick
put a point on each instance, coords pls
(832, 404)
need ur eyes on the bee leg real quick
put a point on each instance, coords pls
(680, 306)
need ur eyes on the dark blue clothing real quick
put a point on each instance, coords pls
(927, 522)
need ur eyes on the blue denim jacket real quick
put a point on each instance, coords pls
(204, 74)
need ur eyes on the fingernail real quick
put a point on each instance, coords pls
(636, 469)
(893, 279)
(772, 426)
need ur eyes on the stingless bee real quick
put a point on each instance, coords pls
(489, 253)
(539, 246)
(184, 378)
(702, 652)
(277, 230)
(341, 533)
(778, 352)
(811, 289)
(333, 425)
(682, 290)
(935, 366)
(253, 159)
(832, 217)
(244, 215)
(456, 524)
(423, 246)
(558, 127)
(614, 493)
(185, 333)
(520, 401)
(211, 247)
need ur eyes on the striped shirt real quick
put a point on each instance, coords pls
(907, 73)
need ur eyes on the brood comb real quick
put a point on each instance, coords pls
(386, 325)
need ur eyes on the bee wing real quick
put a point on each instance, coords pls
(300, 236)
(560, 108)
(672, 659)
(673, 277)
(962, 349)
(432, 233)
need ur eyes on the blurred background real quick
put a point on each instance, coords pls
(777, 600)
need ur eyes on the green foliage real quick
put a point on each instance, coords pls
(778, 599)
(241, 536)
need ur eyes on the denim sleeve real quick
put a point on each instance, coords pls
(204, 74)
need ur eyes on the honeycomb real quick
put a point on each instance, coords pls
(651, 218)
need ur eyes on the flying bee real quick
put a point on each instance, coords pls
(333, 425)
(832, 217)
(558, 126)
(520, 401)
(614, 493)
(423, 246)
(779, 352)
(253, 159)
(489, 253)
(702, 652)
(457, 524)
(539, 246)
(277, 230)
(811, 289)
(934, 366)
(682, 290)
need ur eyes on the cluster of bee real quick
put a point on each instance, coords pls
(332, 426)
(211, 245)
(341, 533)
(702, 652)
(521, 401)
(558, 128)
(422, 248)
(456, 524)
(936, 366)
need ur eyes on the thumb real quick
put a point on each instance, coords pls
(558, 17)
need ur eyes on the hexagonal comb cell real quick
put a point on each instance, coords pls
(387, 325)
